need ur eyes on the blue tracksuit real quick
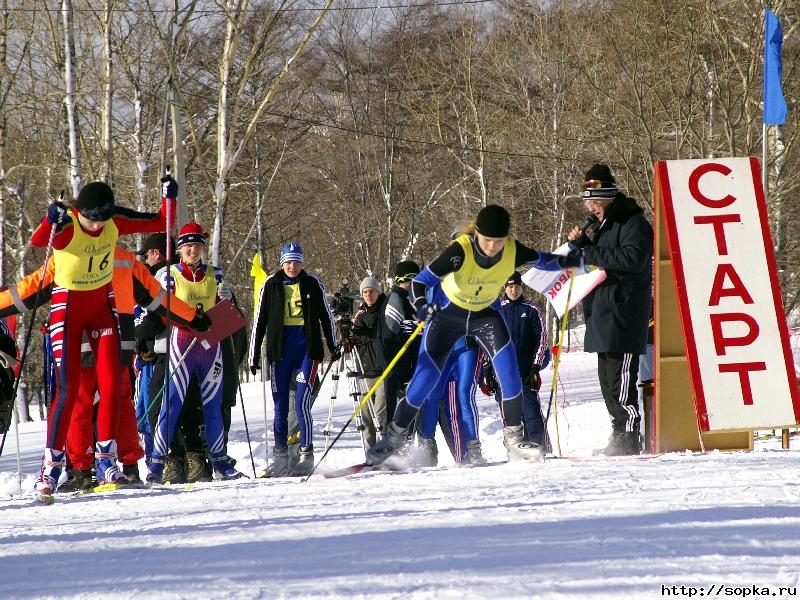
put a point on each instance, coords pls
(457, 389)
(142, 402)
(295, 358)
(526, 326)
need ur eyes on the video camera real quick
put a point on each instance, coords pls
(342, 307)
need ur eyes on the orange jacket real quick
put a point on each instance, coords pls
(132, 283)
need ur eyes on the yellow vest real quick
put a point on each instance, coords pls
(474, 288)
(87, 262)
(293, 307)
(202, 292)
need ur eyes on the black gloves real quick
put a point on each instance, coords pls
(534, 380)
(57, 214)
(201, 322)
(169, 187)
(336, 354)
(254, 369)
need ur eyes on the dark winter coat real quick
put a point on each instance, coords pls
(367, 338)
(397, 324)
(618, 309)
(269, 318)
(526, 326)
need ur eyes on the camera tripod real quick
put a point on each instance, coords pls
(350, 364)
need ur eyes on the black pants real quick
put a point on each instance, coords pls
(618, 372)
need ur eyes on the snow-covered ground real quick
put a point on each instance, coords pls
(596, 529)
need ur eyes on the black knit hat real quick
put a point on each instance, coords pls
(493, 221)
(405, 271)
(515, 279)
(96, 201)
(599, 183)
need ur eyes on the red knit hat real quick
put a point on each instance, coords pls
(192, 233)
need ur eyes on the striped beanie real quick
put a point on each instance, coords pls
(599, 183)
(292, 252)
(192, 233)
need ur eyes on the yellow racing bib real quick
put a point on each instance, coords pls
(202, 292)
(474, 288)
(87, 262)
(293, 306)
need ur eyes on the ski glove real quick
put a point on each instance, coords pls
(426, 311)
(169, 187)
(201, 322)
(489, 385)
(254, 369)
(336, 354)
(224, 291)
(57, 214)
(534, 380)
(555, 262)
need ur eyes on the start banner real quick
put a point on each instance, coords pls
(734, 326)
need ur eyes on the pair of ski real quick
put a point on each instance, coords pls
(103, 488)
(391, 467)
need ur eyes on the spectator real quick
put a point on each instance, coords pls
(370, 352)
(617, 311)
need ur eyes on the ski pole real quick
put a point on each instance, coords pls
(264, 397)
(161, 391)
(295, 436)
(371, 391)
(556, 363)
(244, 414)
(26, 344)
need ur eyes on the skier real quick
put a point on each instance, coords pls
(131, 282)
(471, 273)
(292, 307)
(529, 335)
(83, 301)
(199, 283)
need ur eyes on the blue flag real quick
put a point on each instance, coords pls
(774, 102)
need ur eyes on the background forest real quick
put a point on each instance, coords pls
(368, 132)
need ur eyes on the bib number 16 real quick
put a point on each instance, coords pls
(101, 266)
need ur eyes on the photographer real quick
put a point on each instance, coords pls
(366, 338)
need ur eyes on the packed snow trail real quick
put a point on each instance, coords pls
(558, 529)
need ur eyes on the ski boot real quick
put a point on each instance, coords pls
(516, 446)
(280, 463)
(155, 470)
(394, 440)
(426, 454)
(474, 455)
(198, 467)
(53, 462)
(131, 472)
(223, 469)
(305, 464)
(81, 480)
(621, 443)
(105, 464)
(174, 470)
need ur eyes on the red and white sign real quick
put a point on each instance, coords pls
(726, 279)
(554, 285)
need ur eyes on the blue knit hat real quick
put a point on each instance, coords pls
(292, 252)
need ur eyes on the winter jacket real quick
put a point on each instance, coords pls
(269, 318)
(525, 323)
(397, 324)
(367, 337)
(618, 309)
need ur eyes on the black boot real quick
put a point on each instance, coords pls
(80, 481)
(131, 473)
(393, 441)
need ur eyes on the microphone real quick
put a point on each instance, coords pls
(590, 220)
